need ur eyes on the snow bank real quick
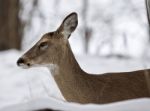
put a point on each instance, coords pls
(26, 87)
(132, 105)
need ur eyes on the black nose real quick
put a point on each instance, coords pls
(20, 61)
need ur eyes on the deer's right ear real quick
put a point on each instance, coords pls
(69, 25)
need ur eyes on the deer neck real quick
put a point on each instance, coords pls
(69, 76)
(67, 67)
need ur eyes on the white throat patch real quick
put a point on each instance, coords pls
(53, 68)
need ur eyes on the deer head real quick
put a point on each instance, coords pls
(50, 49)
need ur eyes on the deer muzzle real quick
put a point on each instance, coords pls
(23, 63)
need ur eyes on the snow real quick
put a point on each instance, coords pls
(23, 89)
(132, 105)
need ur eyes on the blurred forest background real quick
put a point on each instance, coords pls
(106, 28)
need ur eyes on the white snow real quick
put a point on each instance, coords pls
(35, 88)
(132, 105)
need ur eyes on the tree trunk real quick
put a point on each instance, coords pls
(147, 3)
(10, 33)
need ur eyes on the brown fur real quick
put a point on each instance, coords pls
(78, 86)
(75, 84)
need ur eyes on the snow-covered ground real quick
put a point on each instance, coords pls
(132, 105)
(29, 87)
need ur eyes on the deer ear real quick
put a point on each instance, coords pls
(69, 24)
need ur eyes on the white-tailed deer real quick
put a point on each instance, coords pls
(53, 51)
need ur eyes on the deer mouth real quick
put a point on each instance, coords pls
(24, 66)
(22, 63)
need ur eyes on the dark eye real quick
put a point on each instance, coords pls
(43, 46)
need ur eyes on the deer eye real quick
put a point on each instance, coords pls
(43, 46)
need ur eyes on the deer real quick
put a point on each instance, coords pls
(54, 52)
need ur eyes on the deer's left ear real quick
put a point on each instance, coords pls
(69, 24)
